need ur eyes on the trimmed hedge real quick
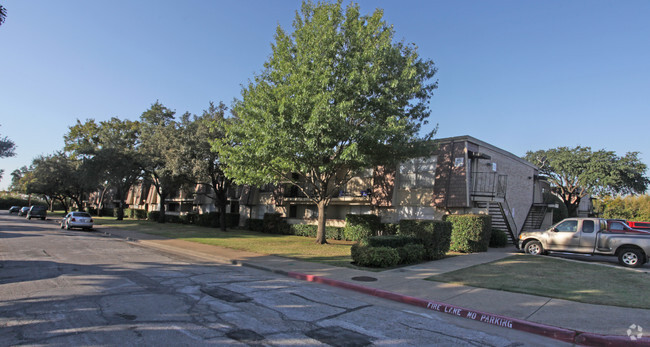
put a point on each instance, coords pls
(394, 241)
(374, 256)
(388, 229)
(153, 215)
(7, 201)
(310, 230)
(140, 214)
(361, 226)
(498, 238)
(273, 223)
(412, 253)
(255, 224)
(470, 232)
(435, 235)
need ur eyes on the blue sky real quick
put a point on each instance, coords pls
(521, 75)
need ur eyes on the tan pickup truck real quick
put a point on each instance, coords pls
(588, 236)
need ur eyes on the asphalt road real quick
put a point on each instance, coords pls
(60, 287)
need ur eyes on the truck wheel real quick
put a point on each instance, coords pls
(631, 257)
(534, 248)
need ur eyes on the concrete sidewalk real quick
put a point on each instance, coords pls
(409, 282)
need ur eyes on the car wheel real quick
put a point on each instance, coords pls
(631, 257)
(534, 248)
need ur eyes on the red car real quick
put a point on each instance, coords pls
(639, 225)
(618, 225)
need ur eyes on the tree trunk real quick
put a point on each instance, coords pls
(161, 217)
(571, 205)
(100, 203)
(320, 234)
(120, 210)
(222, 214)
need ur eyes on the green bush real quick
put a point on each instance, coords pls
(361, 226)
(374, 256)
(232, 220)
(394, 241)
(275, 224)
(434, 235)
(140, 214)
(388, 229)
(255, 224)
(470, 232)
(7, 201)
(209, 219)
(498, 238)
(171, 218)
(153, 216)
(412, 253)
(310, 230)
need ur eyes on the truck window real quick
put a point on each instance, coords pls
(588, 226)
(616, 226)
(568, 226)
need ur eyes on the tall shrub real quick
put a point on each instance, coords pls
(470, 232)
(361, 226)
(435, 235)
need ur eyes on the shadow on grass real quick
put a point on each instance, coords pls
(557, 278)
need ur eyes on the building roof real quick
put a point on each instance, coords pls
(487, 145)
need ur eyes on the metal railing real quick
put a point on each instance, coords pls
(489, 184)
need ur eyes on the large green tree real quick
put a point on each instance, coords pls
(336, 96)
(206, 166)
(162, 152)
(109, 150)
(58, 177)
(577, 172)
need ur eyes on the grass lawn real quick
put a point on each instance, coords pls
(557, 278)
(336, 253)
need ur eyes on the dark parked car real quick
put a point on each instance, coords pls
(37, 212)
(23, 211)
(77, 220)
(14, 209)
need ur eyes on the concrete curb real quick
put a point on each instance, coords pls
(557, 333)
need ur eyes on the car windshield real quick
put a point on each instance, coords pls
(80, 214)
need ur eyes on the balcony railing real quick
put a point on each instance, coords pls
(489, 184)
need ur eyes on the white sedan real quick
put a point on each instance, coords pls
(77, 220)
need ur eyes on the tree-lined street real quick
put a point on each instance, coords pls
(77, 288)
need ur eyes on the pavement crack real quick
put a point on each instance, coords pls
(348, 310)
(320, 302)
(469, 341)
(539, 308)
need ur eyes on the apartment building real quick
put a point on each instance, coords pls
(464, 175)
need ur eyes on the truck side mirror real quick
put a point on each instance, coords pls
(554, 230)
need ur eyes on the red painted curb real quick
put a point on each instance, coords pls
(557, 333)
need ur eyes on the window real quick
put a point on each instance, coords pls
(616, 226)
(568, 226)
(588, 226)
(419, 172)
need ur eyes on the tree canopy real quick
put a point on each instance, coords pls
(577, 172)
(337, 95)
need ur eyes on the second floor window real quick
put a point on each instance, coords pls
(418, 173)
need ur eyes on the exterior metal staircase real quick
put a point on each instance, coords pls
(500, 220)
(535, 217)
